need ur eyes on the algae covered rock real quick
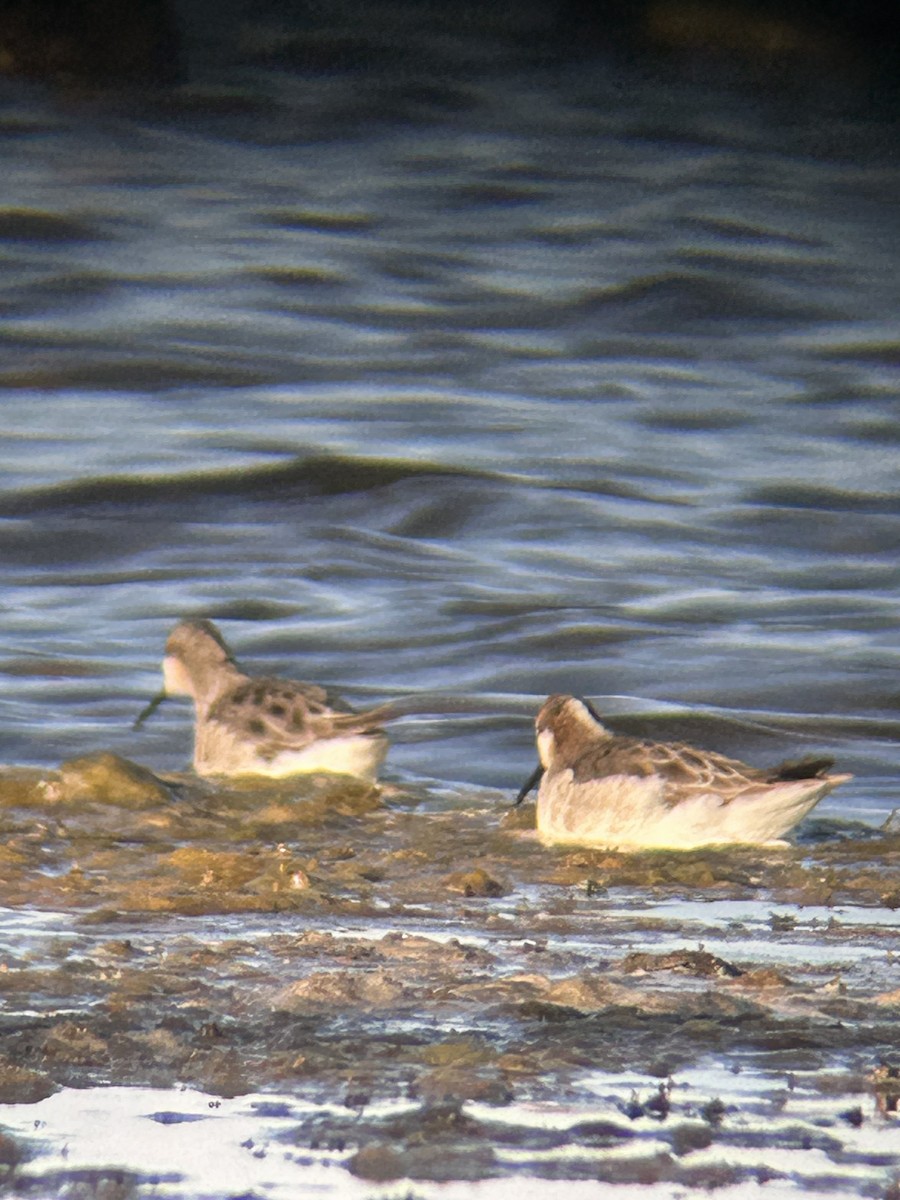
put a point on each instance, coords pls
(343, 989)
(68, 1042)
(19, 1085)
(24, 787)
(685, 962)
(106, 778)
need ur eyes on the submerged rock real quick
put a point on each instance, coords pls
(378, 1163)
(11, 1154)
(427, 951)
(459, 1052)
(438, 1142)
(225, 870)
(277, 808)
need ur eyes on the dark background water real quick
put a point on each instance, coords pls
(456, 368)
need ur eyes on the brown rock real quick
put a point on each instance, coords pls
(19, 1085)
(344, 989)
(885, 1081)
(411, 945)
(223, 1072)
(159, 1045)
(476, 882)
(10, 1154)
(765, 977)
(458, 1084)
(590, 993)
(685, 962)
(76, 1045)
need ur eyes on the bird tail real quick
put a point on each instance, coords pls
(801, 768)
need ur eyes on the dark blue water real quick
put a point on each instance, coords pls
(525, 380)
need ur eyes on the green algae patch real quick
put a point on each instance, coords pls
(459, 1052)
(311, 797)
(196, 867)
(107, 779)
(714, 868)
(106, 833)
(338, 941)
(321, 801)
(24, 787)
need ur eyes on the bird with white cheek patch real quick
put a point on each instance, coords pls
(598, 789)
(268, 726)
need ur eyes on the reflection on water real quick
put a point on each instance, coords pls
(786, 1134)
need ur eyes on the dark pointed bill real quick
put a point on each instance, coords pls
(530, 783)
(150, 709)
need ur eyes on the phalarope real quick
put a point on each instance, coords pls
(597, 789)
(273, 727)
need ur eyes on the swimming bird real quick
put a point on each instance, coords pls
(598, 789)
(263, 726)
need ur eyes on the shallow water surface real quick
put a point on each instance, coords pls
(426, 993)
(187, 1143)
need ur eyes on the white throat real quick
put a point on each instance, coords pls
(546, 747)
(176, 678)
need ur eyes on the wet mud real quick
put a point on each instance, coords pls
(449, 999)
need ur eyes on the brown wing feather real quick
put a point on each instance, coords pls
(284, 715)
(685, 770)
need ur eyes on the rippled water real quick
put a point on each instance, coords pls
(635, 383)
(528, 381)
(475, 379)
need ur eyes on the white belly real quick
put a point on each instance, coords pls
(359, 756)
(626, 812)
(219, 753)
